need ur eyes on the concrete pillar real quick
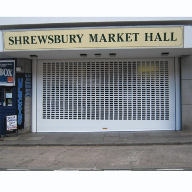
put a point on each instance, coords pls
(186, 92)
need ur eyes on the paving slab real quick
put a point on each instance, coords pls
(34, 138)
(184, 133)
(140, 134)
(69, 135)
(79, 140)
(170, 133)
(126, 134)
(111, 134)
(186, 137)
(155, 134)
(142, 138)
(81, 136)
(11, 138)
(63, 140)
(95, 140)
(96, 135)
(108, 139)
(49, 139)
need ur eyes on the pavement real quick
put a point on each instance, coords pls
(98, 138)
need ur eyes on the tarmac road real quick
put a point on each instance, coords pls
(154, 157)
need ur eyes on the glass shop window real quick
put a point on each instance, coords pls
(8, 97)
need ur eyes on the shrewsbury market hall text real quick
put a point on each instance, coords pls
(78, 38)
(94, 38)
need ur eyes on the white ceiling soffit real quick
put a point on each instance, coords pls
(120, 53)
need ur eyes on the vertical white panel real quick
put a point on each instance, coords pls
(34, 96)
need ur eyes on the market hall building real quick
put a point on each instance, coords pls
(96, 74)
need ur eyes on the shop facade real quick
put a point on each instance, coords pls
(100, 78)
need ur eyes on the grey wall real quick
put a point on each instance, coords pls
(186, 92)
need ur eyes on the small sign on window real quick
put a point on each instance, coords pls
(11, 122)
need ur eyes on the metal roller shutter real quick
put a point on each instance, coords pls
(117, 95)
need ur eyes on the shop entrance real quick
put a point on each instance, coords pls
(7, 104)
(105, 95)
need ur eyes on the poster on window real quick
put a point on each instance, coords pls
(7, 73)
(11, 122)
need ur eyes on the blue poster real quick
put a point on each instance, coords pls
(7, 73)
